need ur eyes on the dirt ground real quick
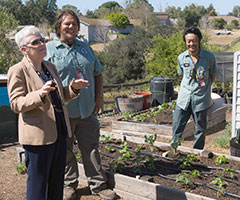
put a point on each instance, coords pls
(13, 185)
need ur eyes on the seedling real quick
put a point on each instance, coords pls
(221, 159)
(138, 159)
(21, 168)
(104, 138)
(78, 157)
(228, 172)
(125, 153)
(109, 148)
(195, 173)
(186, 161)
(174, 145)
(220, 184)
(184, 177)
(151, 164)
(150, 140)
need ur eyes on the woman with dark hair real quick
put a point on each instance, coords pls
(198, 68)
(36, 93)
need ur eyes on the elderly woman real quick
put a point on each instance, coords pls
(36, 93)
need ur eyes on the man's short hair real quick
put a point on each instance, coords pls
(59, 20)
(193, 30)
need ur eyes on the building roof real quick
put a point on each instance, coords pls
(94, 22)
(161, 15)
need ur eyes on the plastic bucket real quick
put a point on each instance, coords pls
(234, 148)
(161, 89)
(129, 102)
(147, 98)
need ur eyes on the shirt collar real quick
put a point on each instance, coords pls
(201, 54)
(59, 43)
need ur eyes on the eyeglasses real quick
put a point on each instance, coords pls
(37, 42)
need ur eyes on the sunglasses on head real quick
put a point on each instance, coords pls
(37, 42)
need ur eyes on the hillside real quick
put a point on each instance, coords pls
(223, 41)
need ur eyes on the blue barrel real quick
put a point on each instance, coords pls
(8, 119)
(162, 90)
(4, 100)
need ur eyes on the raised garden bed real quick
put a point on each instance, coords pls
(152, 175)
(163, 127)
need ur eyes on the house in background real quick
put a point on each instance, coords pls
(162, 18)
(100, 30)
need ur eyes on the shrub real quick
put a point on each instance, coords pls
(223, 139)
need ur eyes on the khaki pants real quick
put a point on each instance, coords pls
(86, 131)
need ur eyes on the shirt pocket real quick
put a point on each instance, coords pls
(186, 71)
(61, 63)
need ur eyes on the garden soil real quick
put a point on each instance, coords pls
(13, 185)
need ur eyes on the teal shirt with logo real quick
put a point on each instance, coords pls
(77, 61)
(190, 88)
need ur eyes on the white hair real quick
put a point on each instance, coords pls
(22, 36)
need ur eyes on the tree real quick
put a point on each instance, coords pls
(70, 7)
(9, 53)
(235, 24)
(173, 12)
(123, 59)
(162, 57)
(16, 8)
(119, 20)
(219, 23)
(107, 8)
(211, 10)
(90, 14)
(192, 14)
(140, 9)
(236, 11)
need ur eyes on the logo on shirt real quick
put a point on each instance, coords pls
(186, 64)
(84, 51)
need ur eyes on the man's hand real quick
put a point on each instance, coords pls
(79, 84)
(46, 88)
(98, 106)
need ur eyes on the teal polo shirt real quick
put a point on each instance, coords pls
(190, 88)
(77, 61)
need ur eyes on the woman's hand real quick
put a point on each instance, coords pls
(46, 88)
(79, 84)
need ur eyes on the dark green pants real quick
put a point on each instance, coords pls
(86, 131)
(180, 119)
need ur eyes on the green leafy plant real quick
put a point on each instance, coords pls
(175, 144)
(78, 157)
(195, 173)
(21, 168)
(150, 140)
(220, 184)
(104, 138)
(109, 148)
(186, 161)
(151, 163)
(221, 159)
(127, 115)
(228, 172)
(222, 140)
(184, 177)
(138, 159)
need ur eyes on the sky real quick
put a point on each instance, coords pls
(222, 7)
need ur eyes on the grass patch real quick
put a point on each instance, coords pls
(21, 168)
(222, 140)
